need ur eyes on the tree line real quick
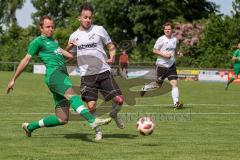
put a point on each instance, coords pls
(206, 37)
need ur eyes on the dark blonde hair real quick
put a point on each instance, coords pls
(168, 24)
(43, 18)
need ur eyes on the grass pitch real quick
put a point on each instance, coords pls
(207, 128)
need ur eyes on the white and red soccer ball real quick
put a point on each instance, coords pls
(145, 126)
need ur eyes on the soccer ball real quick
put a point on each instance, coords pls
(145, 126)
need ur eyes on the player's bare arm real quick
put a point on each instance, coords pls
(112, 52)
(234, 59)
(70, 45)
(66, 53)
(22, 65)
(179, 51)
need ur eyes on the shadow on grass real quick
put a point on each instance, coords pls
(150, 144)
(90, 137)
(81, 136)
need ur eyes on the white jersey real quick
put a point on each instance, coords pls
(166, 44)
(91, 57)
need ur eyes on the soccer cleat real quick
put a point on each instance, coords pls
(119, 122)
(27, 132)
(148, 87)
(178, 105)
(99, 122)
(143, 90)
(142, 93)
(98, 136)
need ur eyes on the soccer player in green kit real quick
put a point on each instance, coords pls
(56, 78)
(236, 66)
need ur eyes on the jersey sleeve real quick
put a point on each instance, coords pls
(34, 47)
(235, 53)
(105, 37)
(159, 43)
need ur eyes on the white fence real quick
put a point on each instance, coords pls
(148, 72)
(216, 75)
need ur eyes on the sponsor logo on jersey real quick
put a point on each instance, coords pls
(170, 49)
(85, 46)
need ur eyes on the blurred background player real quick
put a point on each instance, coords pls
(95, 72)
(165, 48)
(236, 65)
(123, 64)
(56, 78)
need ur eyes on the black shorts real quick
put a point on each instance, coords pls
(104, 82)
(170, 73)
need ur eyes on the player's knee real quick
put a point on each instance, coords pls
(173, 83)
(92, 110)
(119, 99)
(92, 107)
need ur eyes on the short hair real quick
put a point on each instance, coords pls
(86, 6)
(43, 18)
(168, 24)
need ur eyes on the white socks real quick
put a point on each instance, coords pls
(175, 94)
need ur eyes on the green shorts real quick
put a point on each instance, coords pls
(58, 83)
(236, 69)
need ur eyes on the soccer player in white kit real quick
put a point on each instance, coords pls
(89, 41)
(165, 48)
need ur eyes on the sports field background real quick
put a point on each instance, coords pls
(208, 128)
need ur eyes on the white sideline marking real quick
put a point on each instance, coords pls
(189, 104)
(154, 105)
(182, 113)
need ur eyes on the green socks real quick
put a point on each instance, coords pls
(230, 81)
(50, 121)
(78, 106)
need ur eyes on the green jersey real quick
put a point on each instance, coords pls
(47, 49)
(56, 76)
(237, 54)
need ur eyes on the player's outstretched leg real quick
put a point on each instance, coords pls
(150, 86)
(92, 110)
(229, 82)
(50, 121)
(116, 107)
(175, 97)
(78, 106)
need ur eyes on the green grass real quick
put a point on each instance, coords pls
(206, 129)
